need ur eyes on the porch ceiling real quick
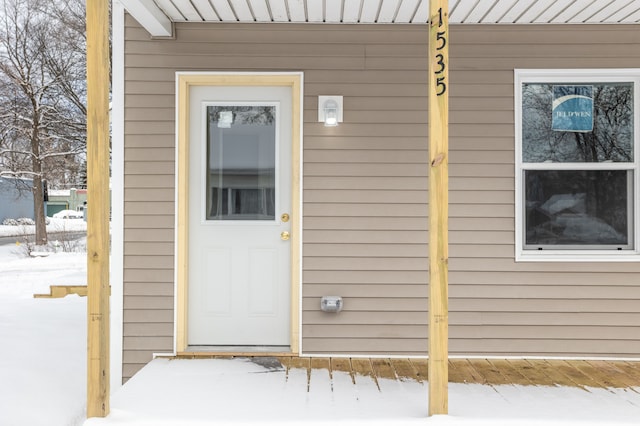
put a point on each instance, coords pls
(157, 15)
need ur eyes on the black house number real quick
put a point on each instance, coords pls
(441, 39)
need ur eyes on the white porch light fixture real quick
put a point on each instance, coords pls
(330, 110)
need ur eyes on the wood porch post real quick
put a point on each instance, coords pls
(97, 13)
(438, 206)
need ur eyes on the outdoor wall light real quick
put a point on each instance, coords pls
(331, 304)
(330, 110)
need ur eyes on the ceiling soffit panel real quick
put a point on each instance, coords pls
(383, 11)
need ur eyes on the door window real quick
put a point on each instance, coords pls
(241, 162)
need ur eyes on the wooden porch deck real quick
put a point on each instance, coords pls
(533, 372)
(348, 391)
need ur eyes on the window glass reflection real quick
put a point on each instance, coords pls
(241, 160)
(577, 207)
(609, 139)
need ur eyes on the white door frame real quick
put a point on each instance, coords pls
(184, 81)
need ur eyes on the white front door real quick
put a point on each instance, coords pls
(239, 206)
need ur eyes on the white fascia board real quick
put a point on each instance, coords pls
(149, 15)
(117, 198)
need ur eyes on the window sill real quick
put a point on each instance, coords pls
(578, 256)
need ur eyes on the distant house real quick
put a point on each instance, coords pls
(65, 199)
(240, 203)
(16, 198)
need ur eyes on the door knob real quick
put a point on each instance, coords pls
(284, 235)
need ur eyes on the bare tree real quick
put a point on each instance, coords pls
(42, 94)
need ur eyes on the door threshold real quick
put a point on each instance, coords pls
(212, 350)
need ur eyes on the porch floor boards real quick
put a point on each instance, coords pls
(533, 372)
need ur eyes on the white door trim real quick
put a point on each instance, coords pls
(184, 81)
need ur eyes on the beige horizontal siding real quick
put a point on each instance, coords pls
(373, 290)
(365, 189)
(546, 347)
(147, 181)
(364, 210)
(143, 289)
(365, 182)
(366, 318)
(360, 196)
(371, 158)
(360, 142)
(130, 368)
(372, 169)
(136, 357)
(148, 302)
(149, 276)
(367, 223)
(571, 278)
(540, 291)
(624, 321)
(362, 277)
(508, 265)
(386, 331)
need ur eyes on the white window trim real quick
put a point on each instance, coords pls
(578, 76)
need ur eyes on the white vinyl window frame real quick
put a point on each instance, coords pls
(575, 254)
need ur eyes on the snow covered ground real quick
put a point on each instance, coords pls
(55, 225)
(42, 341)
(240, 392)
(43, 376)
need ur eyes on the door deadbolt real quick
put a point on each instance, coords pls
(284, 217)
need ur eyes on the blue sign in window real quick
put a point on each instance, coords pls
(572, 108)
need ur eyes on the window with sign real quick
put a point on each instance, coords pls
(576, 165)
